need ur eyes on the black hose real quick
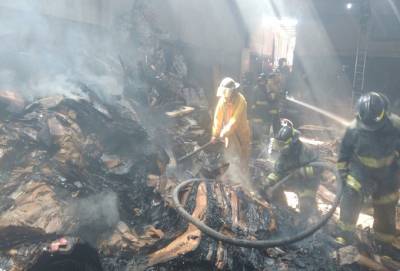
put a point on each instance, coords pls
(286, 179)
(258, 243)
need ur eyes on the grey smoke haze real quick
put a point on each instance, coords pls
(39, 54)
(97, 212)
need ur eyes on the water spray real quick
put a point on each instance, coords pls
(321, 111)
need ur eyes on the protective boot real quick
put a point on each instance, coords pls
(350, 208)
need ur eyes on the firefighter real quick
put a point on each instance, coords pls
(247, 85)
(275, 96)
(265, 105)
(231, 125)
(368, 163)
(260, 118)
(294, 155)
(284, 71)
(283, 67)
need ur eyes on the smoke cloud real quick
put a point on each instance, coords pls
(94, 215)
(40, 53)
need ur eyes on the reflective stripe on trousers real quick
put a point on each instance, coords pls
(341, 165)
(306, 193)
(309, 171)
(353, 183)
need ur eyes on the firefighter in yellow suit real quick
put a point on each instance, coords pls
(231, 125)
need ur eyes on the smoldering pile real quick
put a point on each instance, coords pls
(66, 163)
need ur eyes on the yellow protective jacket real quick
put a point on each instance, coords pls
(230, 118)
(230, 121)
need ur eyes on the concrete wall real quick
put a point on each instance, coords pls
(339, 37)
(209, 34)
(329, 24)
(326, 46)
(208, 23)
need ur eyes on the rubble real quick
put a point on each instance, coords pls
(67, 162)
(350, 255)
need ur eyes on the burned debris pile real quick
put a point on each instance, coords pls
(66, 163)
(79, 169)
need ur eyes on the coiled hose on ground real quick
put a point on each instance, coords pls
(259, 243)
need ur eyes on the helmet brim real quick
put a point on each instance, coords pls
(370, 125)
(222, 90)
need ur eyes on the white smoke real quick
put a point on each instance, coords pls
(39, 53)
(98, 211)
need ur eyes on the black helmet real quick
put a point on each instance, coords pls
(287, 135)
(246, 79)
(282, 61)
(371, 110)
(262, 77)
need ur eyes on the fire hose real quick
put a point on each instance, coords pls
(259, 243)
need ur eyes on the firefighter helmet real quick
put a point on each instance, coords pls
(282, 62)
(286, 122)
(287, 135)
(227, 87)
(262, 77)
(371, 110)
